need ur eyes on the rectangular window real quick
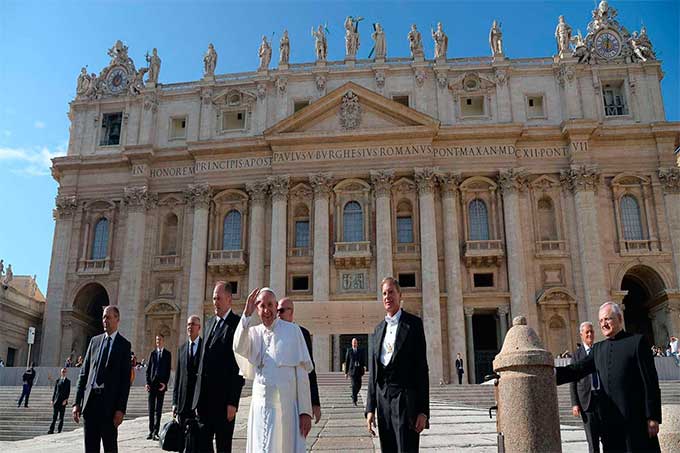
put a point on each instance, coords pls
(614, 99)
(299, 105)
(407, 280)
(11, 356)
(472, 106)
(405, 230)
(483, 280)
(535, 107)
(234, 288)
(111, 127)
(178, 128)
(301, 283)
(401, 99)
(302, 233)
(233, 120)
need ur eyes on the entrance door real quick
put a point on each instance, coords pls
(346, 343)
(636, 311)
(485, 338)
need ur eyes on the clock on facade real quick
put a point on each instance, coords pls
(607, 44)
(117, 80)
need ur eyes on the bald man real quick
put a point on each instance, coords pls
(286, 311)
(186, 375)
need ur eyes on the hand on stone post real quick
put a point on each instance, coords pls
(251, 302)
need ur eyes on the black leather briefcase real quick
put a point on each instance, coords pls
(171, 436)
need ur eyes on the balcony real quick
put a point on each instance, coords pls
(227, 261)
(166, 262)
(551, 248)
(352, 254)
(406, 249)
(637, 247)
(483, 253)
(94, 267)
(299, 252)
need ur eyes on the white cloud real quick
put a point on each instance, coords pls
(30, 162)
(39, 125)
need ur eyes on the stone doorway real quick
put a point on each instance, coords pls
(645, 296)
(85, 321)
(485, 341)
(346, 343)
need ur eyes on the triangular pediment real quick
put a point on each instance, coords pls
(352, 110)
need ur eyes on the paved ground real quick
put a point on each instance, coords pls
(454, 429)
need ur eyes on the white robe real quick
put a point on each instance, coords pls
(277, 361)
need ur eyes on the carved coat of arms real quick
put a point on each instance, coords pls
(350, 111)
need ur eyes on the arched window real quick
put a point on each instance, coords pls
(231, 231)
(169, 241)
(479, 220)
(301, 226)
(630, 218)
(100, 241)
(353, 222)
(546, 220)
(404, 223)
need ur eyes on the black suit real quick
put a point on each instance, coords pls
(218, 385)
(629, 393)
(99, 405)
(354, 368)
(157, 373)
(62, 390)
(585, 397)
(460, 370)
(186, 373)
(313, 384)
(400, 391)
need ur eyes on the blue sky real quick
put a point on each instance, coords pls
(44, 44)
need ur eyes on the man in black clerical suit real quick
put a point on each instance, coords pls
(286, 311)
(355, 367)
(62, 390)
(398, 376)
(459, 368)
(104, 385)
(218, 388)
(186, 373)
(157, 377)
(629, 402)
(585, 392)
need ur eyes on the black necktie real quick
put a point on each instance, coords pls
(191, 351)
(218, 324)
(101, 366)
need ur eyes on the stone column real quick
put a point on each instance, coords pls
(426, 181)
(512, 181)
(56, 286)
(454, 288)
(207, 120)
(136, 201)
(322, 185)
(670, 180)
(568, 82)
(503, 98)
(198, 196)
(503, 321)
(582, 181)
(469, 335)
(257, 192)
(321, 346)
(382, 184)
(277, 269)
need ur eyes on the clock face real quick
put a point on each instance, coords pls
(607, 44)
(117, 80)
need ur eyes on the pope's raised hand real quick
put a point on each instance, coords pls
(251, 302)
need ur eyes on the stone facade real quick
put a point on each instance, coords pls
(21, 306)
(491, 187)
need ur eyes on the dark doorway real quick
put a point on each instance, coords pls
(485, 340)
(636, 312)
(90, 302)
(11, 356)
(346, 343)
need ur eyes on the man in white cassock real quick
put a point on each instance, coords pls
(274, 356)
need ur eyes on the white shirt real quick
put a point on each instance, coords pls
(101, 350)
(387, 348)
(674, 347)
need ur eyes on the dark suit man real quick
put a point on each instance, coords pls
(62, 390)
(104, 385)
(157, 377)
(286, 311)
(459, 368)
(355, 367)
(218, 388)
(186, 374)
(27, 378)
(629, 403)
(398, 382)
(585, 392)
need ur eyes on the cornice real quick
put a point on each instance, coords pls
(509, 132)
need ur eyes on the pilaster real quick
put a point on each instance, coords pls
(198, 196)
(278, 185)
(257, 192)
(382, 184)
(321, 183)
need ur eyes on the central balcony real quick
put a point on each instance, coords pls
(352, 254)
(227, 261)
(94, 267)
(166, 262)
(637, 247)
(483, 253)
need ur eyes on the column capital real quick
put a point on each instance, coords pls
(321, 182)
(426, 179)
(581, 178)
(139, 199)
(382, 182)
(278, 185)
(198, 195)
(512, 180)
(503, 310)
(257, 192)
(449, 182)
(670, 179)
(469, 311)
(65, 206)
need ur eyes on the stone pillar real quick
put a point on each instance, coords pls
(670, 180)
(583, 181)
(136, 201)
(321, 346)
(277, 269)
(198, 196)
(503, 321)
(257, 192)
(469, 335)
(207, 120)
(382, 184)
(320, 286)
(512, 181)
(568, 82)
(426, 181)
(454, 288)
(503, 100)
(56, 286)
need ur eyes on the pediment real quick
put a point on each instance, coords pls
(352, 110)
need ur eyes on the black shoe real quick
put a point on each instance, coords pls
(150, 436)
(50, 432)
(355, 403)
(155, 437)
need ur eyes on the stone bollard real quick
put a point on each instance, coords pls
(528, 415)
(669, 429)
